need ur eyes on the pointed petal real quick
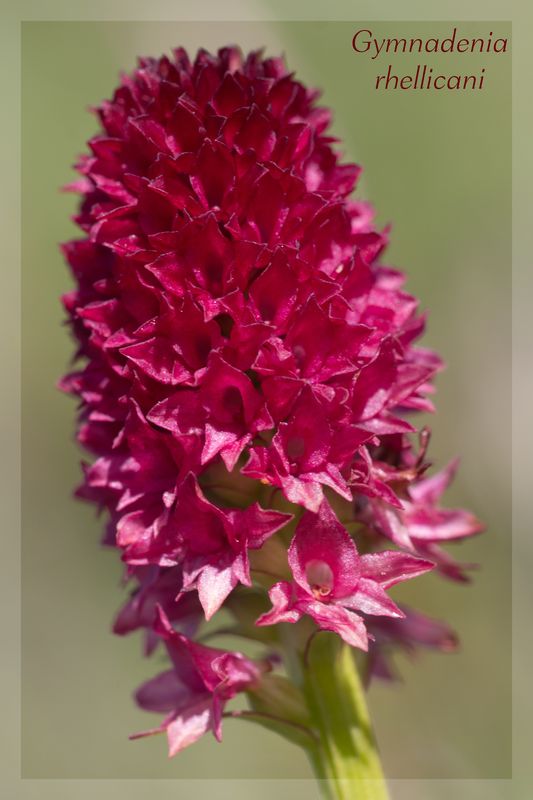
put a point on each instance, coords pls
(375, 383)
(442, 524)
(332, 617)
(283, 610)
(165, 692)
(226, 442)
(332, 477)
(431, 489)
(189, 726)
(214, 584)
(254, 525)
(371, 598)
(392, 566)
(304, 491)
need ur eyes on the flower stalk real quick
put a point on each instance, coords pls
(346, 762)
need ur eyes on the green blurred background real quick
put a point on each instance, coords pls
(438, 166)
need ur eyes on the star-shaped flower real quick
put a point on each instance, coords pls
(332, 582)
(194, 692)
(209, 542)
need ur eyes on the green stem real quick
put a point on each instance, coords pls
(347, 761)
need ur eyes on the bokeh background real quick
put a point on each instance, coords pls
(436, 165)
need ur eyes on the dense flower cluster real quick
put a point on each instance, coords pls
(249, 371)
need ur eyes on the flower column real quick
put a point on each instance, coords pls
(248, 383)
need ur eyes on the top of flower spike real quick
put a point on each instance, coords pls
(238, 327)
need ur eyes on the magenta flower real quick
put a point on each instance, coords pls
(226, 407)
(332, 581)
(249, 364)
(413, 631)
(196, 690)
(421, 525)
(209, 543)
(306, 454)
(157, 587)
